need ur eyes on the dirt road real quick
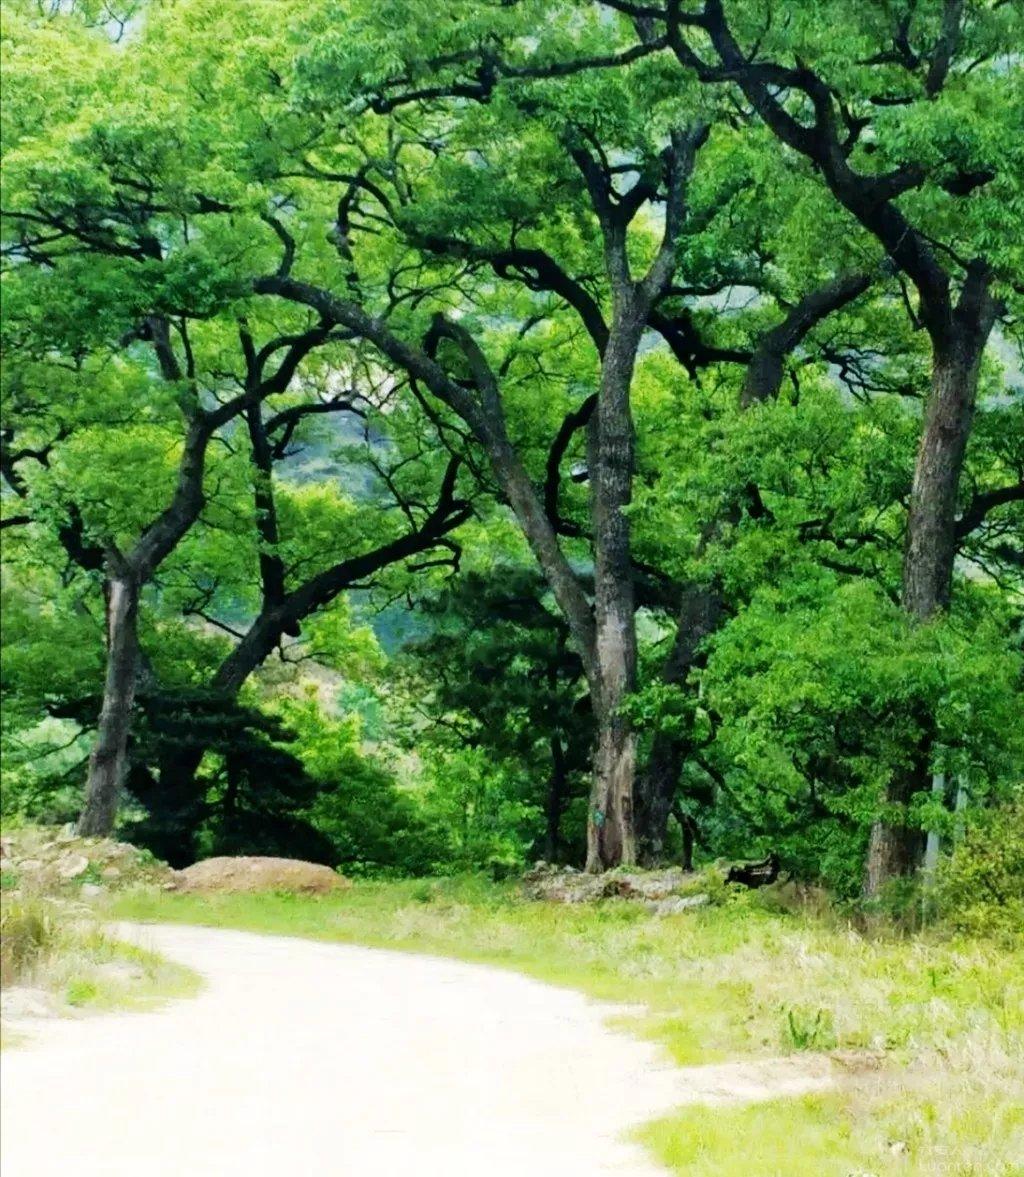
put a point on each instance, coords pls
(301, 1058)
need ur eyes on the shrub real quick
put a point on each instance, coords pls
(981, 885)
(28, 930)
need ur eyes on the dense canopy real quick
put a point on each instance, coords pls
(579, 429)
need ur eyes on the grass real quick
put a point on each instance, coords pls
(930, 1031)
(60, 948)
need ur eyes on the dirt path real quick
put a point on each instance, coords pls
(301, 1058)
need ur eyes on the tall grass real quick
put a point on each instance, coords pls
(61, 948)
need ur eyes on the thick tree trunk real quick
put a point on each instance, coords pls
(931, 524)
(108, 762)
(610, 838)
(655, 794)
(930, 552)
(610, 834)
(894, 847)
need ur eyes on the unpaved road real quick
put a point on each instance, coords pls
(302, 1058)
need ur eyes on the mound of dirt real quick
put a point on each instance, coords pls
(259, 874)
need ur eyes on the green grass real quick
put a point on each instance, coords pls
(931, 1030)
(60, 948)
(702, 1141)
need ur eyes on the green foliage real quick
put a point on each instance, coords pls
(28, 929)
(823, 698)
(981, 884)
(808, 1030)
(395, 157)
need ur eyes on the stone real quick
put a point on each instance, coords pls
(29, 865)
(110, 872)
(92, 890)
(72, 865)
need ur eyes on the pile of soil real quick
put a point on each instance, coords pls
(249, 874)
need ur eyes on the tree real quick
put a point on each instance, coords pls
(877, 129)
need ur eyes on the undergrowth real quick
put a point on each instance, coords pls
(60, 949)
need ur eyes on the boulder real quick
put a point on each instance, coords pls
(72, 865)
(259, 874)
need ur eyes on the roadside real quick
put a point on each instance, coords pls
(924, 1036)
(56, 958)
(301, 1057)
(914, 1044)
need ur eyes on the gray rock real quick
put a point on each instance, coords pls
(72, 865)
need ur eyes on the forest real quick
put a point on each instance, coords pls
(441, 438)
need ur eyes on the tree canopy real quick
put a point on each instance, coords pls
(589, 430)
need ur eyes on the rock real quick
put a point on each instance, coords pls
(677, 903)
(565, 885)
(29, 865)
(72, 865)
(91, 890)
(67, 833)
(260, 874)
(110, 872)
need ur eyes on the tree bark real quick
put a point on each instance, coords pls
(611, 839)
(931, 546)
(931, 523)
(895, 847)
(108, 762)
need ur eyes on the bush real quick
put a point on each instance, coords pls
(28, 930)
(981, 886)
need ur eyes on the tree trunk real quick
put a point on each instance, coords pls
(610, 838)
(930, 552)
(894, 846)
(108, 762)
(931, 524)
(655, 793)
(610, 835)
